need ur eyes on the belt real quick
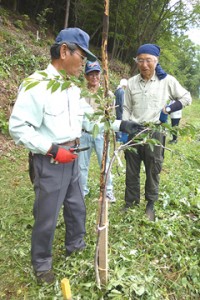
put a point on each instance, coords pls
(83, 130)
(75, 142)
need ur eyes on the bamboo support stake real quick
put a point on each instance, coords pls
(101, 255)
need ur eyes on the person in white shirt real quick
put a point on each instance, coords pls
(146, 96)
(49, 124)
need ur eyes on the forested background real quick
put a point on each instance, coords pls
(132, 22)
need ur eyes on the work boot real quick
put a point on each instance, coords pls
(173, 142)
(125, 208)
(150, 211)
(130, 205)
(45, 277)
(80, 247)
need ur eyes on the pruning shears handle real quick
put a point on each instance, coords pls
(77, 149)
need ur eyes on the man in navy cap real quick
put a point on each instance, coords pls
(49, 125)
(92, 75)
(146, 96)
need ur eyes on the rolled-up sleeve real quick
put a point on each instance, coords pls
(178, 92)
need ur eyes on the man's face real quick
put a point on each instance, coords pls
(146, 64)
(76, 63)
(71, 62)
(93, 78)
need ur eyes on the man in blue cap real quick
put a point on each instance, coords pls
(146, 96)
(49, 125)
(92, 75)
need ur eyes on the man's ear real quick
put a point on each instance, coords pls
(64, 52)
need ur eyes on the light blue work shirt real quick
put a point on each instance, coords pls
(40, 117)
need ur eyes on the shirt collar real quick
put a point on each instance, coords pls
(52, 70)
(153, 78)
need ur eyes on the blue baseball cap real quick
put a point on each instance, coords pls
(78, 37)
(92, 66)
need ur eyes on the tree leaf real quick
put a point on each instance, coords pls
(106, 126)
(55, 86)
(95, 130)
(51, 82)
(44, 74)
(65, 85)
(31, 85)
(63, 73)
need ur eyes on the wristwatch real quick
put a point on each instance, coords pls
(168, 109)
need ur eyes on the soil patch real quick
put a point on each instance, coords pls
(6, 144)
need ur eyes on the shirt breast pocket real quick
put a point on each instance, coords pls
(54, 109)
(135, 95)
(55, 115)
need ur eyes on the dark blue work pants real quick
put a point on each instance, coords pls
(56, 185)
(175, 122)
(153, 160)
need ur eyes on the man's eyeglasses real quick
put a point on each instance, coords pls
(141, 61)
(94, 74)
(84, 58)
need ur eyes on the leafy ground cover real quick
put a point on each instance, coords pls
(146, 260)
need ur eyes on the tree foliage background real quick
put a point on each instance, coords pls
(132, 23)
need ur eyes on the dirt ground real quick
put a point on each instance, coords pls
(6, 144)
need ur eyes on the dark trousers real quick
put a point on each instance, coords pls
(175, 122)
(153, 160)
(56, 185)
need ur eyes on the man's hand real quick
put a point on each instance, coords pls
(61, 155)
(130, 127)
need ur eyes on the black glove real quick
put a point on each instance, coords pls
(130, 127)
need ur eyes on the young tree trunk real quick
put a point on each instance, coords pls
(101, 260)
(14, 6)
(67, 13)
(115, 32)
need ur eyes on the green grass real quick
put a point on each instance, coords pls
(146, 260)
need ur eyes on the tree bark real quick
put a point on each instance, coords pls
(14, 6)
(67, 6)
(101, 259)
(115, 32)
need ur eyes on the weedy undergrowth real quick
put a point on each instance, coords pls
(147, 260)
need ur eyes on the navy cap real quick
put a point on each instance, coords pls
(149, 49)
(78, 37)
(92, 66)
